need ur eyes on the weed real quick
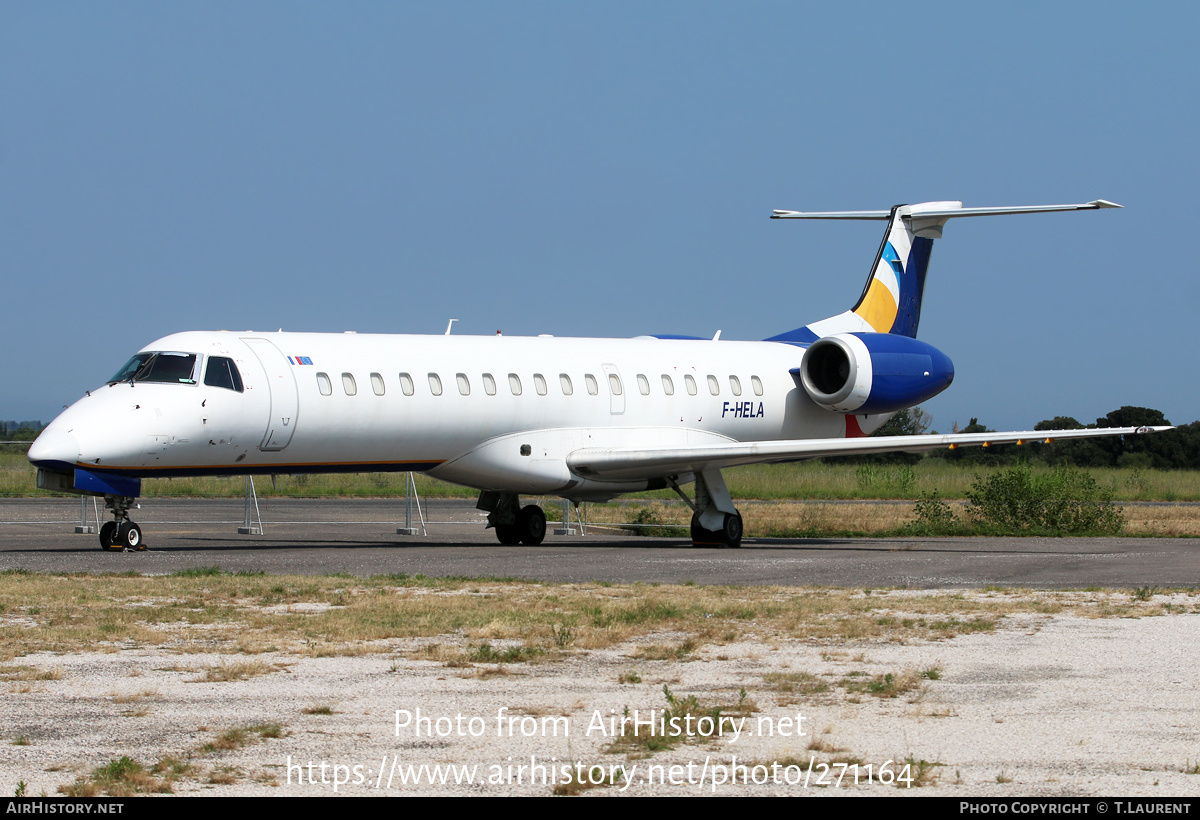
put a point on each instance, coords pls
(629, 677)
(933, 517)
(172, 767)
(238, 737)
(796, 683)
(562, 634)
(317, 710)
(119, 778)
(1067, 501)
(223, 776)
(596, 777)
(20, 790)
(920, 773)
(649, 522)
(1004, 777)
(882, 686)
(240, 670)
(484, 653)
(683, 719)
(659, 652)
(1144, 593)
(20, 741)
(931, 673)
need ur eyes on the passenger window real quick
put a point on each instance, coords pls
(489, 384)
(564, 382)
(435, 384)
(592, 386)
(464, 386)
(668, 385)
(324, 385)
(614, 384)
(514, 384)
(406, 384)
(539, 384)
(643, 385)
(735, 385)
(348, 384)
(377, 384)
(222, 372)
(756, 383)
(690, 383)
(714, 386)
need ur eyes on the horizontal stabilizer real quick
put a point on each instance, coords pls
(944, 210)
(627, 463)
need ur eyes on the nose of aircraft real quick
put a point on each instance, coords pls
(54, 449)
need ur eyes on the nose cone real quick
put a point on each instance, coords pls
(54, 449)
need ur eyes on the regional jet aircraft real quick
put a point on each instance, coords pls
(584, 419)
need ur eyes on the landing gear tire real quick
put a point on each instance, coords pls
(731, 532)
(108, 536)
(508, 534)
(531, 522)
(129, 536)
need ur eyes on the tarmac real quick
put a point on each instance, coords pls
(358, 537)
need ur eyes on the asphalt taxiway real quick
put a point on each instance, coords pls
(358, 537)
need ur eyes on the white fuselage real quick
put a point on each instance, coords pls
(492, 412)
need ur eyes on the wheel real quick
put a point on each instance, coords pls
(730, 534)
(129, 536)
(531, 522)
(108, 533)
(732, 530)
(508, 534)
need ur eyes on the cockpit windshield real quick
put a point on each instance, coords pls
(161, 367)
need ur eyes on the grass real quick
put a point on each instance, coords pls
(684, 719)
(804, 480)
(240, 737)
(122, 777)
(238, 670)
(484, 620)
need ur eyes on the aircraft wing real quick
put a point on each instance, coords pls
(651, 462)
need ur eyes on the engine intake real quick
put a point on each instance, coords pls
(873, 372)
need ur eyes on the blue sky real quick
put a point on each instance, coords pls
(601, 169)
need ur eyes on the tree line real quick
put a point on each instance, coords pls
(1177, 449)
(20, 430)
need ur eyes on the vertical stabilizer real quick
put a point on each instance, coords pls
(891, 300)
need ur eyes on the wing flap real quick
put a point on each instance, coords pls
(652, 462)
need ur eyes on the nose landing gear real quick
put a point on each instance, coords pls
(121, 533)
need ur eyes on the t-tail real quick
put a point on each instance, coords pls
(891, 299)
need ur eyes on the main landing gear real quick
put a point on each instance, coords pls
(715, 521)
(121, 533)
(513, 523)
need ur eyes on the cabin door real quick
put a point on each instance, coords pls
(285, 404)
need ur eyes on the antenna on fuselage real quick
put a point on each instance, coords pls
(449, 325)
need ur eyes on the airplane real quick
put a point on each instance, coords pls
(584, 419)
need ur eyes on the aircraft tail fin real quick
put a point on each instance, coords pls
(891, 299)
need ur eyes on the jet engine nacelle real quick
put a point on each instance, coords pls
(873, 372)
